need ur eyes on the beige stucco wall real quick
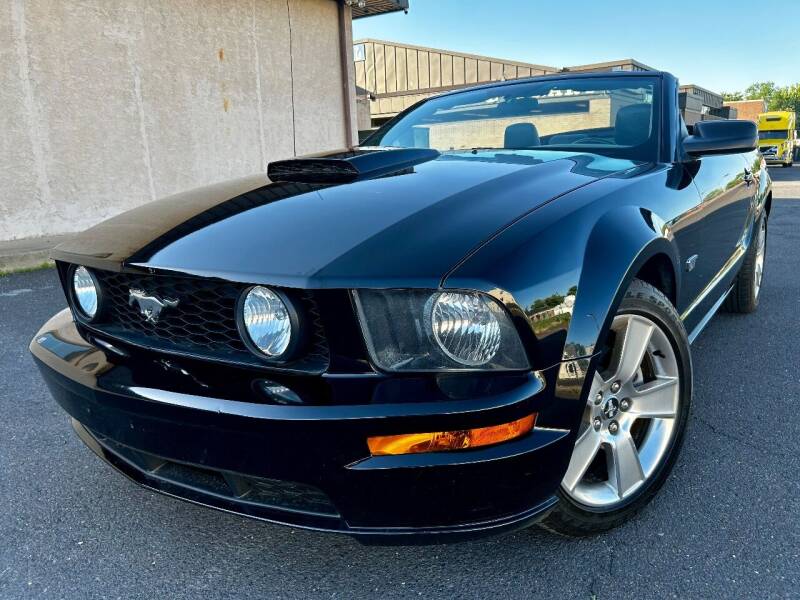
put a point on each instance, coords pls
(107, 104)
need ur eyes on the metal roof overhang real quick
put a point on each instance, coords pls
(369, 8)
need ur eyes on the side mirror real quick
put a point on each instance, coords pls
(721, 137)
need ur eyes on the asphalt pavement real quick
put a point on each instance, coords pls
(725, 525)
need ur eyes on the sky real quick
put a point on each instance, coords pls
(716, 44)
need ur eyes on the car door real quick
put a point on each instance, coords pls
(708, 235)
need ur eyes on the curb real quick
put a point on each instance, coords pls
(27, 254)
(25, 262)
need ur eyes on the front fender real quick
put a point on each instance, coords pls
(620, 244)
(563, 270)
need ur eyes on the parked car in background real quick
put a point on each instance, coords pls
(777, 137)
(479, 320)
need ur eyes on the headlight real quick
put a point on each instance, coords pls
(268, 322)
(416, 330)
(85, 291)
(464, 327)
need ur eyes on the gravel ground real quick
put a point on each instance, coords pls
(725, 525)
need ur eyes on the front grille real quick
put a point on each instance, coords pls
(203, 324)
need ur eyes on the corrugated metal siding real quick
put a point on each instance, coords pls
(471, 70)
(391, 73)
(402, 69)
(447, 69)
(392, 69)
(423, 71)
(436, 69)
(380, 69)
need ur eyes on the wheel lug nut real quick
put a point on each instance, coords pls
(598, 398)
(625, 404)
(615, 386)
(597, 423)
(613, 427)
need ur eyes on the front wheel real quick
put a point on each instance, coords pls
(634, 418)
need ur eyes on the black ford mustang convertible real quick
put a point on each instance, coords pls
(478, 320)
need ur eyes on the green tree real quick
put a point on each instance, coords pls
(760, 90)
(777, 98)
(786, 98)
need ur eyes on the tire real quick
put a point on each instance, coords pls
(745, 293)
(579, 513)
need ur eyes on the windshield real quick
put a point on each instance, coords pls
(775, 134)
(614, 116)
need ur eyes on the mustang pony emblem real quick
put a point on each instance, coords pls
(149, 306)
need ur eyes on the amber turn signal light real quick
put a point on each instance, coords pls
(442, 441)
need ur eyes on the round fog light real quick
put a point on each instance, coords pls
(267, 321)
(85, 291)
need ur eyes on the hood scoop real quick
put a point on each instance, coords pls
(364, 163)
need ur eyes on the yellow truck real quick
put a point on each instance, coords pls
(776, 137)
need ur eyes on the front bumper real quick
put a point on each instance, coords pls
(308, 465)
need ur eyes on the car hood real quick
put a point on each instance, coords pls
(403, 227)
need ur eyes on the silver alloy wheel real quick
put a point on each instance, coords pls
(630, 416)
(761, 246)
